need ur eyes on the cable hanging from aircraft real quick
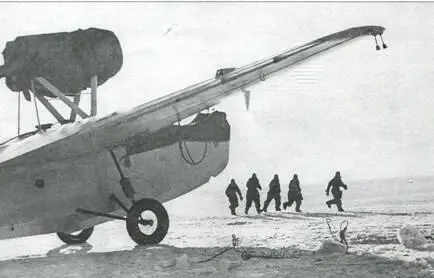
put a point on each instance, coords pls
(182, 145)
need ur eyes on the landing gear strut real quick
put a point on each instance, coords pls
(78, 238)
(147, 220)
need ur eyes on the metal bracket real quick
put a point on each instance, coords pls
(261, 75)
(246, 97)
(73, 114)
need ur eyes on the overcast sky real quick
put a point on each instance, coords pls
(367, 113)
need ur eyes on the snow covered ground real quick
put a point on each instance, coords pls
(201, 226)
(372, 121)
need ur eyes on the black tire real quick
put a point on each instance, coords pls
(79, 238)
(134, 217)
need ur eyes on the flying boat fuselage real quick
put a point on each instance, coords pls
(54, 173)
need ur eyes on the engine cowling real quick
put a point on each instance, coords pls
(67, 60)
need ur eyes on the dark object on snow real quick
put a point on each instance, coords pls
(67, 60)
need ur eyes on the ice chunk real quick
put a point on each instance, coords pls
(411, 237)
(331, 246)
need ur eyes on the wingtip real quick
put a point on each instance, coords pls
(377, 30)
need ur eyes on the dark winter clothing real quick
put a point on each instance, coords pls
(294, 194)
(231, 193)
(253, 194)
(273, 193)
(335, 184)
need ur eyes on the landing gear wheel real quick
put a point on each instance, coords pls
(79, 238)
(147, 222)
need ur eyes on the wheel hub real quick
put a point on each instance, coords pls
(146, 222)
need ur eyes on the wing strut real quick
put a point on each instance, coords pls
(93, 97)
(74, 104)
(44, 82)
(32, 85)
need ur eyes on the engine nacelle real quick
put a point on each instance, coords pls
(67, 60)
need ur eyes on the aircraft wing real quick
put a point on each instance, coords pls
(160, 113)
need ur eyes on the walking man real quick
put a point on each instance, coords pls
(231, 193)
(253, 194)
(335, 184)
(294, 194)
(273, 193)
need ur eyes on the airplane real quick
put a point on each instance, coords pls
(68, 177)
